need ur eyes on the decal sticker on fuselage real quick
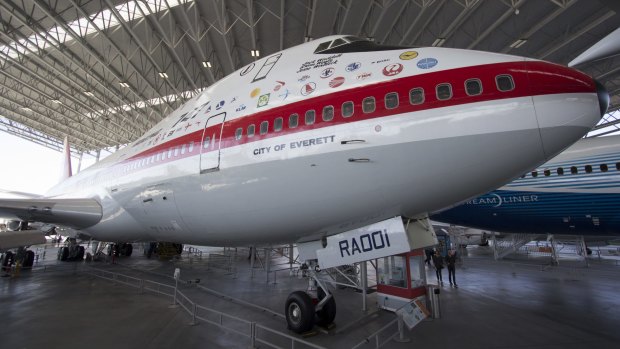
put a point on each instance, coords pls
(407, 55)
(267, 66)
(319, 63)
(427, 63)
(304, 143)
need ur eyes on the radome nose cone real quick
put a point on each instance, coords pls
(603, 97)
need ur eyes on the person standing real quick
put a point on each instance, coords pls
(438, 262)
(451, 261)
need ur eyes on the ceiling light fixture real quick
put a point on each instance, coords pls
(206, 64)
(163, 75)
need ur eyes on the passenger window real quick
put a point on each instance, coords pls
(504, 83)
(264, 127)
(560, 171)
(547, 173)
(588, 169)
(310, 117)
(391, 100)
(176, 151)
(416, 96)
(534, 174)
(604, 168)
(169, 153)
(183, 149)
(239, 133)
(158, 158)
(205, 143)
(473, 87)
(444, 91)
(191, 147)
(277, 124)
(347, 109)
(251, 130)
(368, 105)
(574, 170)
(618, 166)
(328, 113)
(293, 120)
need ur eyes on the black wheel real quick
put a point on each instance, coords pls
(7, 261)
(29, 259)
(327, 314)
(129, 250)
(80, 254)
(299, 312)
(63, 253)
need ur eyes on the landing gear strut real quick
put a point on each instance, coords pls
(305, 309)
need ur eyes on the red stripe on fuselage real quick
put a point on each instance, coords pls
(530, 79)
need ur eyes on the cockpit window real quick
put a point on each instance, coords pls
(351, 44)
(337, 42)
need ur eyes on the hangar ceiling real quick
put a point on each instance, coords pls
(102, 72)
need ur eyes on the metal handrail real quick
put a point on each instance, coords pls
(375, 335)
(192, 309)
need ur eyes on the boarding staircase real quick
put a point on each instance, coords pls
(510, 244)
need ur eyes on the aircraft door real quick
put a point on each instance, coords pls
(211, 143)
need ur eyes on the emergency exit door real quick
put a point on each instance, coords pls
(211, 143)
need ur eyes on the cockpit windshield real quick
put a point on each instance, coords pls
(351, 44)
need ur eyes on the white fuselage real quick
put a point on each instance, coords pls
(335, 174)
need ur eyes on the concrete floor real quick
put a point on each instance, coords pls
(508, 304)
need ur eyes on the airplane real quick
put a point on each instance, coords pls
(576, 192)
(330, 145)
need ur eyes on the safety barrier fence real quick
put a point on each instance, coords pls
(381, 337)
(254, 332)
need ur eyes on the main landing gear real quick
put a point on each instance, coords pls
(316, 306)
(72, 251)
(120, 249)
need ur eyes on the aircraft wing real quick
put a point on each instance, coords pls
(72, 213)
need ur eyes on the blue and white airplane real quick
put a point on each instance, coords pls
(577, 192)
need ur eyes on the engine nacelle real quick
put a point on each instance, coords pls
(12, 239)
(15, 225)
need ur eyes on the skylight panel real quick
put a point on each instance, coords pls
(82, 26)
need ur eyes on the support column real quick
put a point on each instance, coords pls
(267, 263)
(252, 257)
(291, 259)
(364, 281)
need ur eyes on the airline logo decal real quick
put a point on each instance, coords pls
(407, 55)
(353, 66)
(319, 63)
(263, 100)
(363, 76)
(278, 86)
(220, 105)
(327, 72)
(308, 88)
(427, 63)
(267, 66)
(392, 69)
(240, 108)
(247, 69)
(284, 94)
(255, 92)
(337, 81)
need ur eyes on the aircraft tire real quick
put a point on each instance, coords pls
(299, 312)
(129, 250)
(327, 314)
(80, 253)
(7, 260)
(29, 259)
(63, 253)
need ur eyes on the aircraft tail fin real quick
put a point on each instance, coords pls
(66, 154)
